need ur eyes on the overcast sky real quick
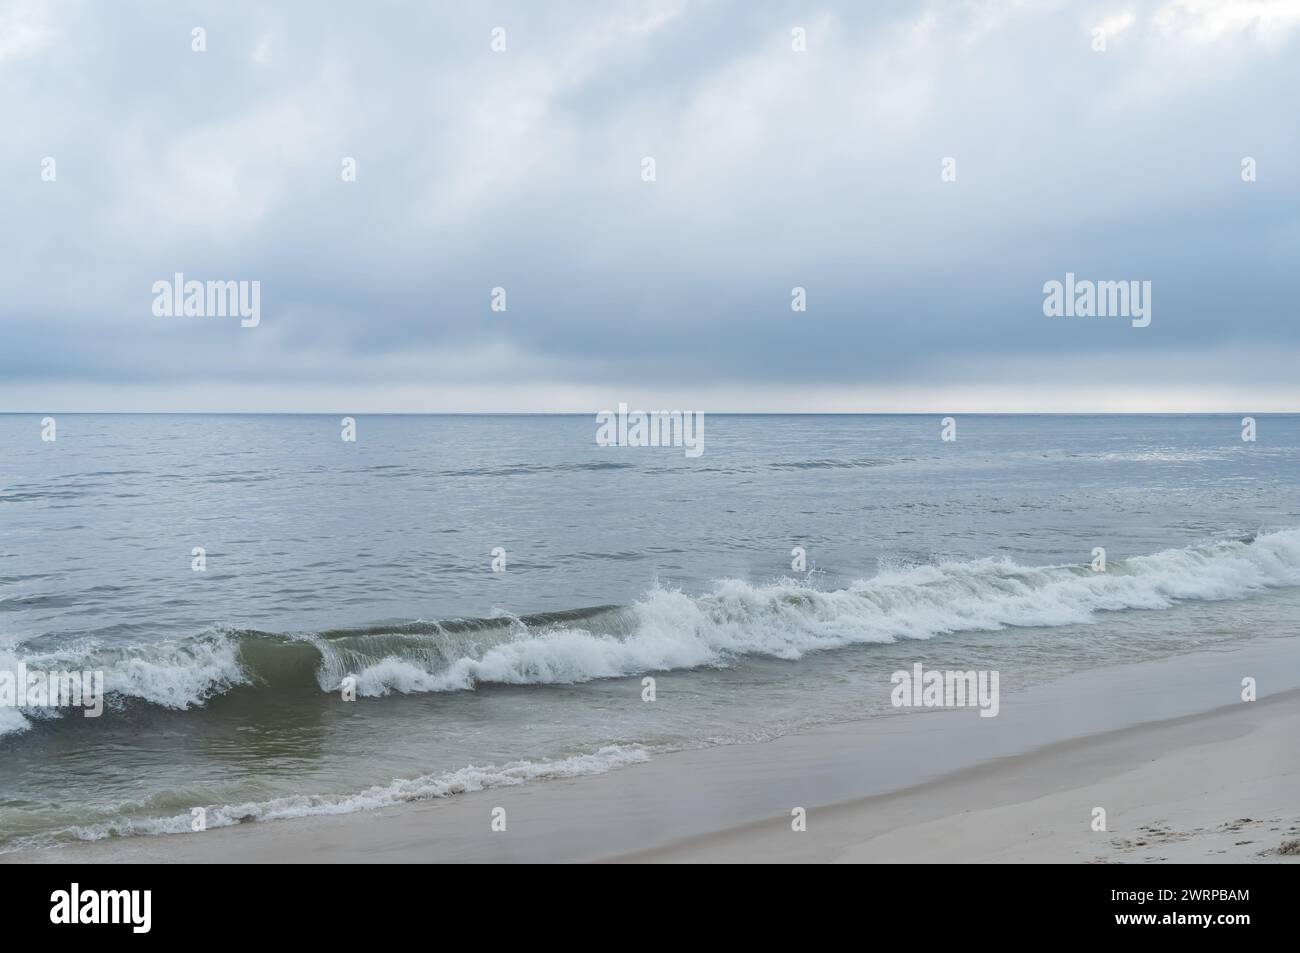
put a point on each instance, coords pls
(775, 168)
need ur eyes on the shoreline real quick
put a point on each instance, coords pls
(1177, 771)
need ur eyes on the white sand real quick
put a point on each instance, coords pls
(1217, 788)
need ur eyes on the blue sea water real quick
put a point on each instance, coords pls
(374, 559)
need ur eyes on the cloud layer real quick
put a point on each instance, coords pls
(775, 168)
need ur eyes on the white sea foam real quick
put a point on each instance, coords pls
(176, 674)
(422, 788)
(788, 618)
(12, 722)
(668, 629)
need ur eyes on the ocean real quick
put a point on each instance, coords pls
(498, 588)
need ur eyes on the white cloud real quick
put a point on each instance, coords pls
(1112, 26)
(25, 28)
(1212, 21)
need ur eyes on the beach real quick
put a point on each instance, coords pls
(1181, 805)
(1179, 782)
(651, 432)
(265, 638)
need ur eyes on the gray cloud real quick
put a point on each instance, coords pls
(522, 169)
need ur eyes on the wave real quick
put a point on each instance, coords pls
(669, 629)
(423, 788)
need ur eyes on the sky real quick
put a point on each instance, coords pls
(1105, 140)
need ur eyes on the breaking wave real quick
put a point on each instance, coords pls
(669, 629)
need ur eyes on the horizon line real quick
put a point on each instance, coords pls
(712, 413)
